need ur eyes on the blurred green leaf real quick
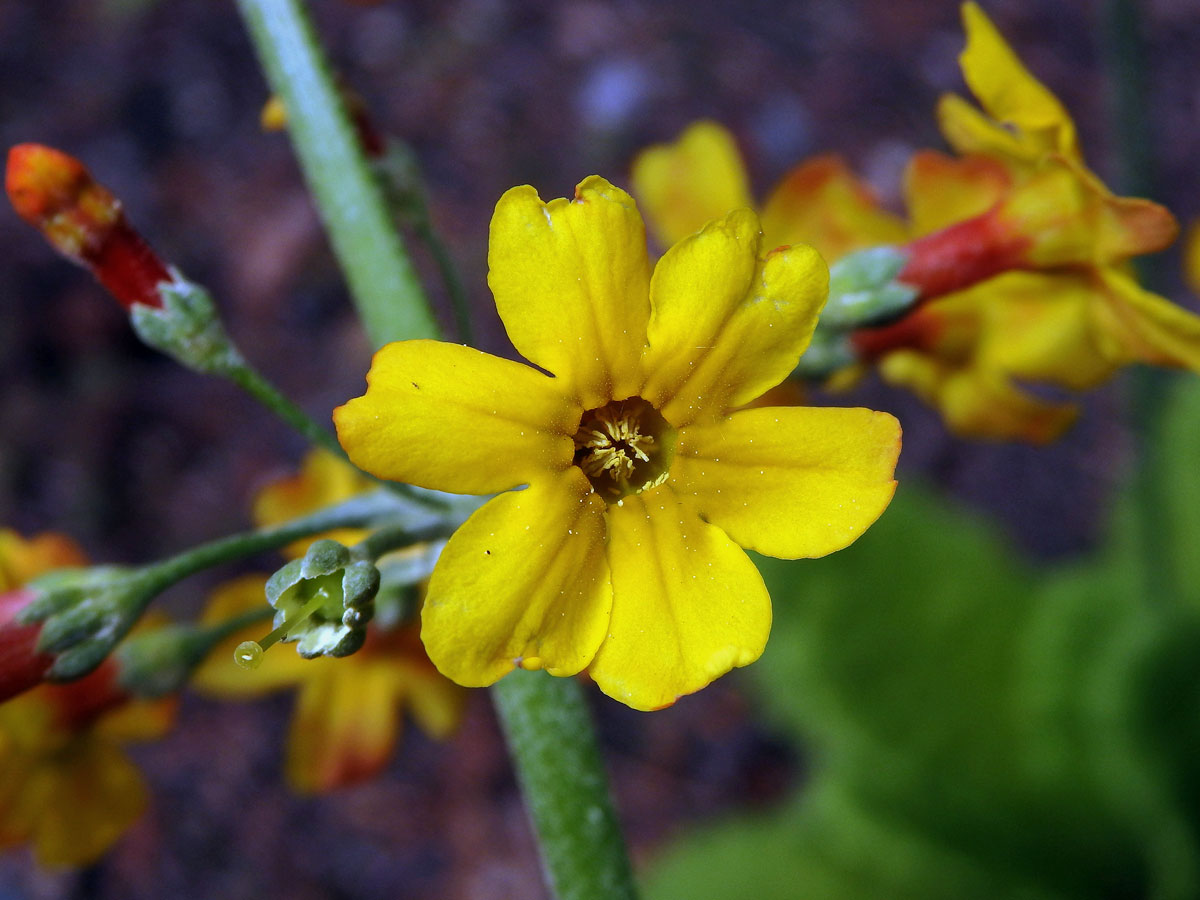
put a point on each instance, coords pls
(976, 720)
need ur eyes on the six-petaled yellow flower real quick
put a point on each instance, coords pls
(641, 474)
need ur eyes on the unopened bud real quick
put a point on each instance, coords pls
(82, 220)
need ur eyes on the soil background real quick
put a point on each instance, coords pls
(137, 458)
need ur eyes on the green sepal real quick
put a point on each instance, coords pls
(187, 328)
(338, 625)
(863, 290)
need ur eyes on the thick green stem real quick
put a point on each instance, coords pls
(381, 277)
(553, 744)
(1125, 58)
(546, 722)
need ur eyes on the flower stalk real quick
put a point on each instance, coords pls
(553, 745)
(382, 280)
(84, 613)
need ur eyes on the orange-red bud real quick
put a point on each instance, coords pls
(56, 194)
(963, 254)
(21, 666)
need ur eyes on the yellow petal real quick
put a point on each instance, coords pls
(978, 403)
(451, 418)
(684, 185)
(22, 560)
(1136, 325)
(688, 605)
(344, 728)
(523, 582)
(137, 720)
(942, 190)
(822, 203)
(1033, 326)
(571, 281)
(969, 131)
(790, 482)
(1008, 91)
(435, 702)
(726, 327)
(1071, 218)
(91, 795)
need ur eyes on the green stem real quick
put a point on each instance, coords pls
(252, 382)
(1125, 58)
(215, 634)
(546, 722)
(384, 284)
(354, 513)
(393, 537)
(553, 744)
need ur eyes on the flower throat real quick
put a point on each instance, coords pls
(624, 447)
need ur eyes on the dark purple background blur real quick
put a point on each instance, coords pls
(138, 458)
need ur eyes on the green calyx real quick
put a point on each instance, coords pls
(84, 613)
(324, 600)
(863, 292)
(187, 328)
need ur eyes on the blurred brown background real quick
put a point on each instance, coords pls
(137, 458)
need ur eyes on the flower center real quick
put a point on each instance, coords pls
(624, 447)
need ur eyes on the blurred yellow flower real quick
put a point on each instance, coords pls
(621, 555)
(1066, 313)
(349, 711)
(348, 714)
(1018, 251)
(66, 787)
(701, 177)
(323, 480)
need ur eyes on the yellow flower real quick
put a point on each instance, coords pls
(348, 716)
(1052, 198)
(701, 177)
(1075, 316)
(1016, 248)
(621, 555)
(66, 786)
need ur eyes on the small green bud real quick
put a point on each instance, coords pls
(84, 613)
(826, 353)
(323, 601)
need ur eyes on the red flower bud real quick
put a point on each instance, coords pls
(963, 254)
(82, 220)
(21, 666)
